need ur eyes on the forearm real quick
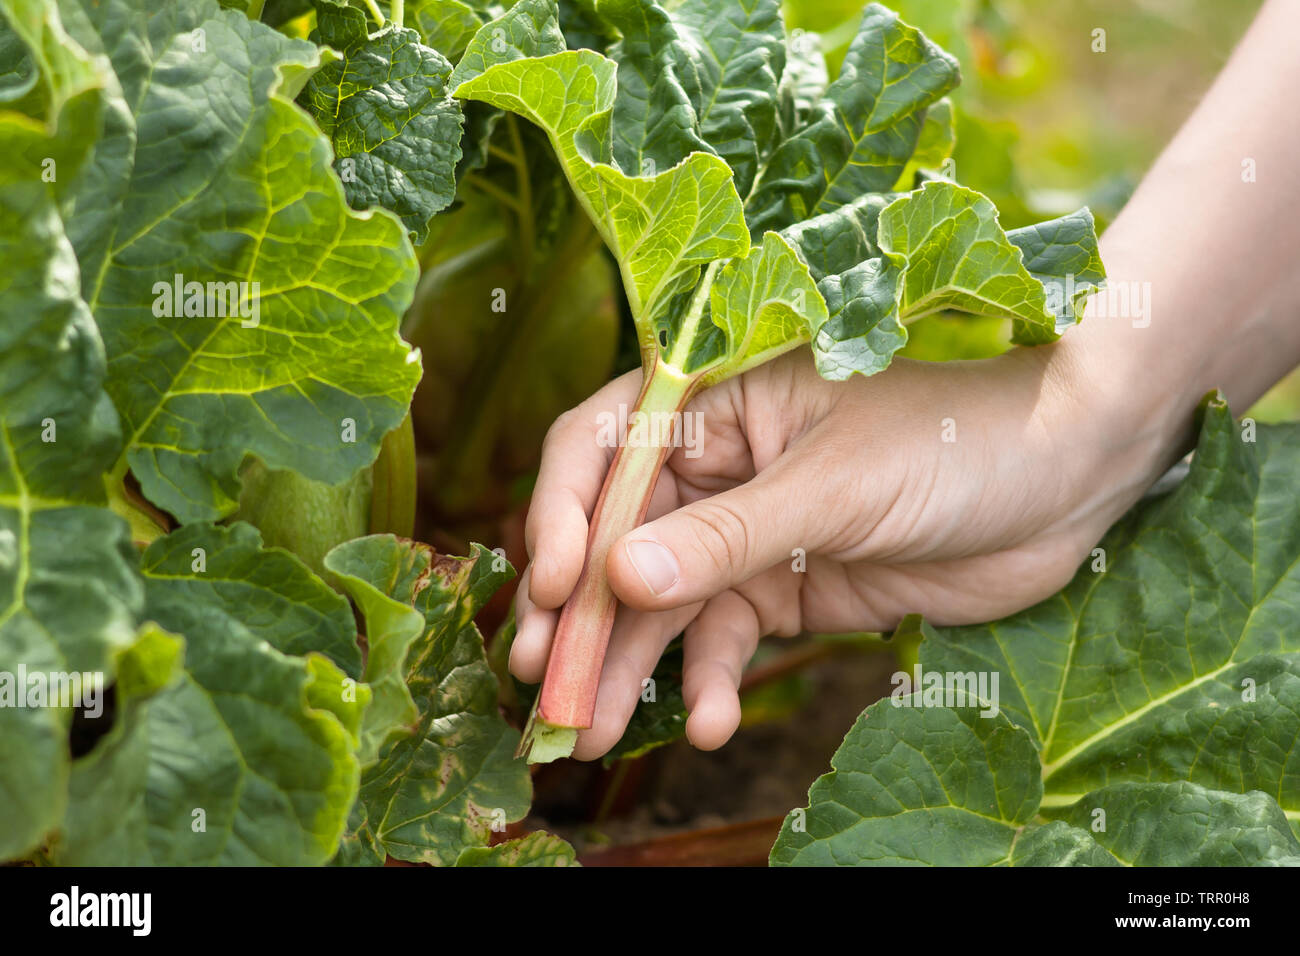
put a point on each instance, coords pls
(1208, 252)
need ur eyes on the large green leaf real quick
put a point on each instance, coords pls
(1159, 693)
(737, 50)
(199, 131)
(654, 122)
(70, 595)
(385, 108)
(571, 95)
(247, 757)
(443, 786)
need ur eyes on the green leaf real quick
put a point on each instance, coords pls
(369, 570)
(1156, 698)
(1175, 662)
(444, 786)
(570, 95)
(386, 110)
(247, 757)
(656, 722)
(1193, 826)
(803, 81)
(445, 25)
(197, 134)
(766, 304)
(536, 849)
(862, 133)
(70, 594)
(654, 122)
(1062, 254)
(737, 49)
(917, 785)
(952, 254)
(530, 28)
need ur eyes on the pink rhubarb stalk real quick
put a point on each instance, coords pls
(567, 701)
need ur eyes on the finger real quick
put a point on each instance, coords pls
(637, 643)
(715, 543)
(719, 643)
(574, 462)
(534, 630)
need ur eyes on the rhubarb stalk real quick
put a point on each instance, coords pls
(567, 701)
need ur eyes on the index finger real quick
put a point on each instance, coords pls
(574, 462)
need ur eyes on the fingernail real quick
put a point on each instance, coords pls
(654, 564)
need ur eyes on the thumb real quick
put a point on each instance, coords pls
(712, 544)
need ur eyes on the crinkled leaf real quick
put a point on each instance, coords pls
(529, 28)
(862, 133)
(803, 81)
(536, 849)
(765, 304)
(386, 110)
(952, 254)
(654, 122)
(1178, 661)
(737, 50)
(918, 785)
(1157, 697)
(444, 786)
(247, 757)
(370, 570)
(570, 95)
(197, 134)
(70, 594)
(1062, 254)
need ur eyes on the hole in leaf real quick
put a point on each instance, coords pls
(663, 338)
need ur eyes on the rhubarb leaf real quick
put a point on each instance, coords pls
(530, 28)
(765, 304)
(370, 569)
(863, 131)
(70, 594)
(952, 254)
(453, 779)
(385, 108)
(308, 373)
(1175, 662)
(737, 50)
(653, 120)
(571, 95)
(248, 754)
(1155, 701)
(803, 81)
(536, 849)
(445, 25)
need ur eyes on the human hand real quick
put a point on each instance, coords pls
(964, 491)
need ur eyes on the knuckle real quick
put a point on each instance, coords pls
(723, 535)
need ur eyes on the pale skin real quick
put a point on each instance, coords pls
(1052, 444)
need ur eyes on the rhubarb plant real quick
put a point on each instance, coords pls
(200, 360)
(751, 212)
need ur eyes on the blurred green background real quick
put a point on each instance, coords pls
(1046, 124)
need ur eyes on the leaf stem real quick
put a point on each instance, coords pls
(397, 12)
(392, 496)
(375, 11)
(568, 695)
